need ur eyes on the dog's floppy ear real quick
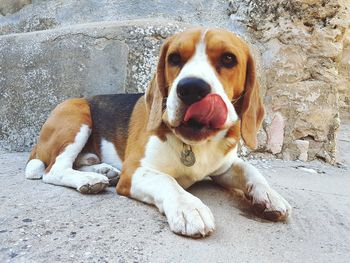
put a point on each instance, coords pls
(157, 92)
(252, 110)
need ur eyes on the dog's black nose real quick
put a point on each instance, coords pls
(190, 90)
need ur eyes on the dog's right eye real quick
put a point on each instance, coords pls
(228, 60)
(175, 59)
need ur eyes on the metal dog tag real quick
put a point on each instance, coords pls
(187, 156)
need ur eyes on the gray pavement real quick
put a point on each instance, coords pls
(46, 223)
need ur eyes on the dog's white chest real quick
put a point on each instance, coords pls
(166, 157)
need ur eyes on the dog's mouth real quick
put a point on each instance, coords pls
(195, 131)
(203, 119)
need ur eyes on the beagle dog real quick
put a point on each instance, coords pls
(203, 98)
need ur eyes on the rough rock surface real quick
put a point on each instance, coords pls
(275, 132)
(300, 42)
(41, 69)
(303, 148)
(12, 6)
(49, 14)
(302, 49)
(344, 70)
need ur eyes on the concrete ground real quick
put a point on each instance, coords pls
(46, 223)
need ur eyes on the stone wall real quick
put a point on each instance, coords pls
(344, 69)
(304, 55)
(41, 69)
(301, 47)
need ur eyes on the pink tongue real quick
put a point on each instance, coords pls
(210, 111)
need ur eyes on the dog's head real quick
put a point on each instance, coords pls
(205, 82)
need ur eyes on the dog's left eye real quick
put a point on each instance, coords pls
(175, 59)
(228, 60)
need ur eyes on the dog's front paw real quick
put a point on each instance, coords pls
(106, 169)
(268, 203)
(188, 216)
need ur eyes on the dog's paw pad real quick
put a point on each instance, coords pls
(275, 215)
(114, 180)
(93, 189)
(106, 170)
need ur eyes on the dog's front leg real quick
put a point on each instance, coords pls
(186, 214)
(265, 200)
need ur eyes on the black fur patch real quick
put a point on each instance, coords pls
(110, 116)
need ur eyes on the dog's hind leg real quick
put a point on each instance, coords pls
(61, 140)
(62, 173)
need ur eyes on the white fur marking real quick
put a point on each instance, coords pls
(61, 172)
(165, 156)
(109, 154)
(35, 169)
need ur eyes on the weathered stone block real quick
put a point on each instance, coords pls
(303, 148)
(37, 73)
(311, 108)
(12, 6)
(344, 70)
(50, 14)
(300, 42)
(39, 70)
(275, 133)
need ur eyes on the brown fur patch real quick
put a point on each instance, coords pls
(161, 132)
(135, 147)
(60, 130)
(252, 110)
